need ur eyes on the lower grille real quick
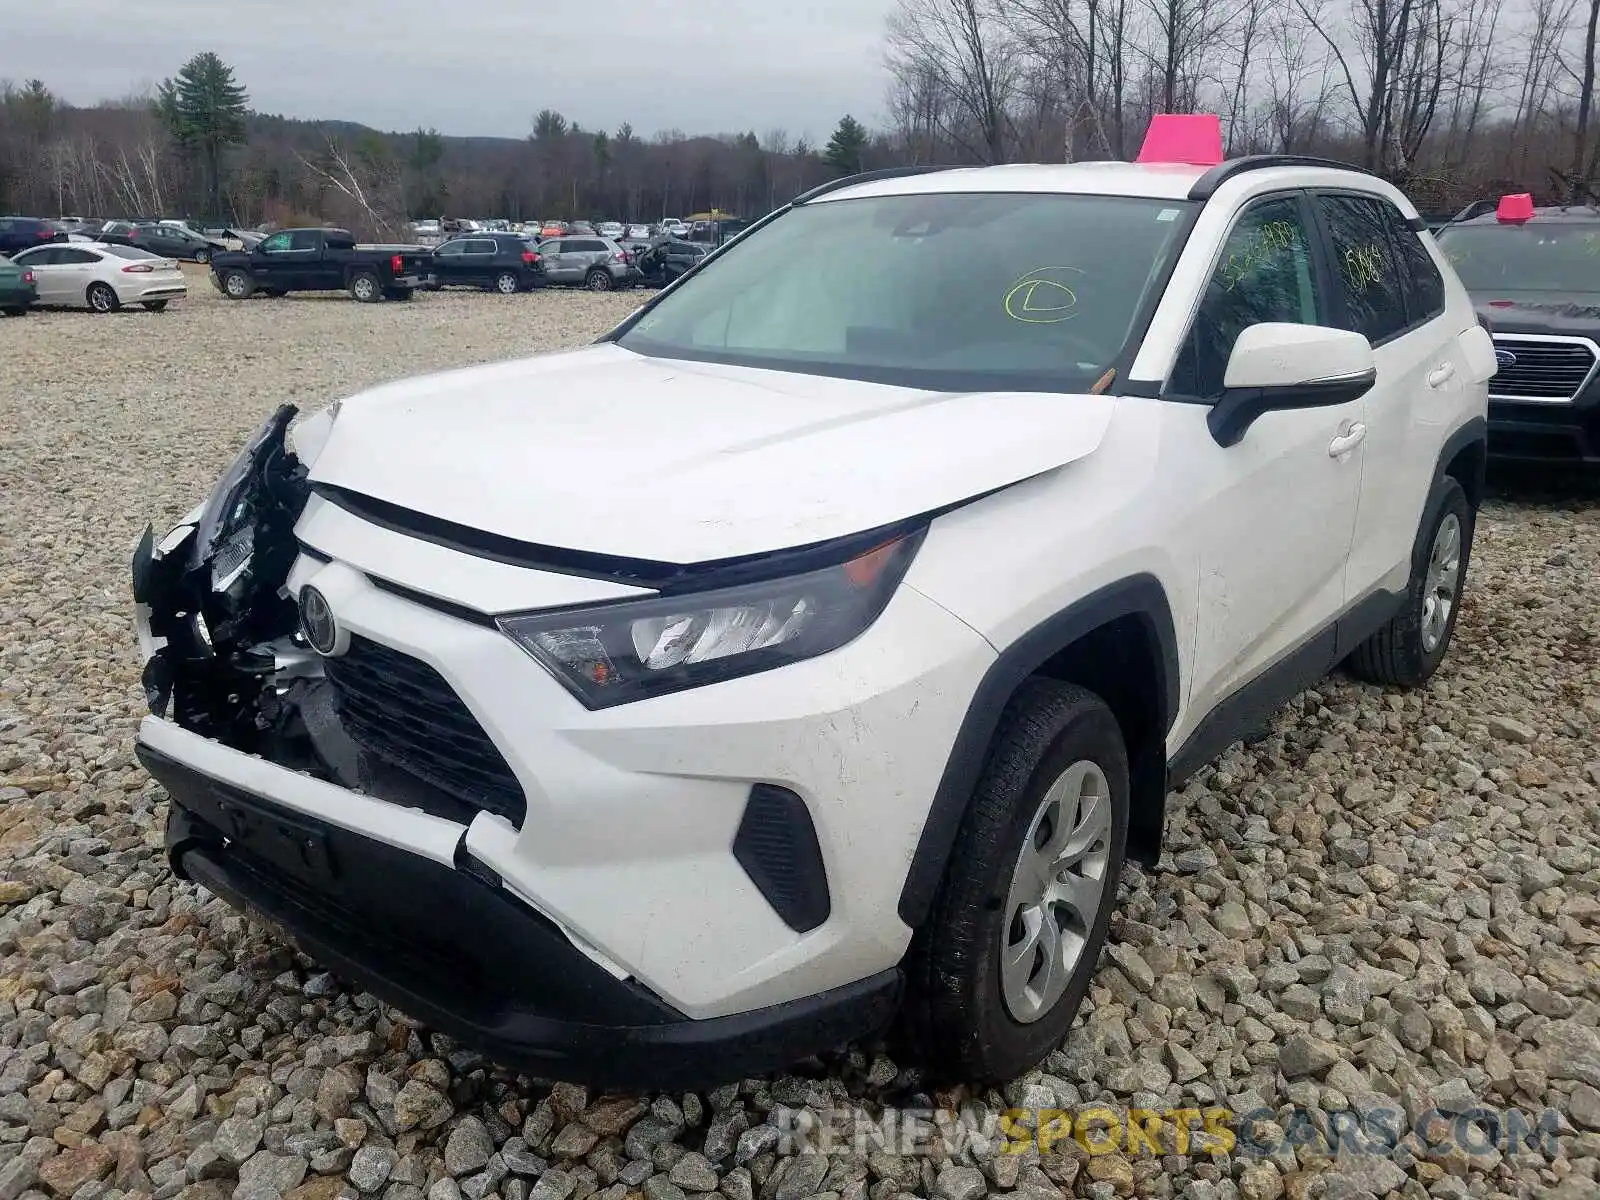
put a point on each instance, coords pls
(402, 711)
(1539, 370)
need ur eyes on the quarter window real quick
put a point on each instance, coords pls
(1265, 274)
(1366, 265)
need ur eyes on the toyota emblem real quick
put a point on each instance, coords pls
(318, 625)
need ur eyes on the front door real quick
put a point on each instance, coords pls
(447, 265)
(1270, 518)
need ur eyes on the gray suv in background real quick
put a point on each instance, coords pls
(596, 263)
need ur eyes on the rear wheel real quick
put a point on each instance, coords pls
(102, 298)
(156, 305)
(598, 281)
(1408, 650)
(997, 974)
(236, 285)
(365, 288)
(506, 284)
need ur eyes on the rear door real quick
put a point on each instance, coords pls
(47, 277)
(314, 267)
(555, 260)
(478, 261)
(1390, 290)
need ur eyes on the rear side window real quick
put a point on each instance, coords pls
(587, 245)
(1419, 274)
(303, 239)
(1265, 274)
(1366, 265)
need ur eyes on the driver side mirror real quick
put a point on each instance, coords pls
(1276, 366)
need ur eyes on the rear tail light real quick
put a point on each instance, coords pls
(27, 277)
(137, 269)
(397, 265)
(620, 256)
(529, 257)
(47, 234)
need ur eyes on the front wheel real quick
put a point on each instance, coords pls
(998, 972)
(236, 285)
(102, 299)
(365, 288)
(155, 306)
(598, 281)
(1408, 650)
(202, 256)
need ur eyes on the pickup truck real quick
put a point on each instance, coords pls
(319, 260)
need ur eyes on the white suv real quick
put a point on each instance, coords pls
(804, 657)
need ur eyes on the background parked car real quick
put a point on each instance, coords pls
(18, 233)
(319, 260)
(163, 240)
(667, 259)
(102, 276)
(610, 229)
(503, 262)
(17, 288)
(596, 263)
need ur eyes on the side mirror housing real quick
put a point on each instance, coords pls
(1276, 366)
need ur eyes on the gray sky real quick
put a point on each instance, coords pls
(479, 67)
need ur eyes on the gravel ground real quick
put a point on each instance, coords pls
(1389, 907)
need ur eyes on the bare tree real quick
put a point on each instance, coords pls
(960, 46)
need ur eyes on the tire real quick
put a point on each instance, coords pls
(202, 256)
(967, 1016)
(236, 285)
(1408, 650)
(364, 287)
(155, 305)
(506, 284)
(102, 299)
(598, 281)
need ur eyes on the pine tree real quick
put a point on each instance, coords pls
(844, 148)
(204, 108)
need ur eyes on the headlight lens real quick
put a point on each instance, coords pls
(620, 652)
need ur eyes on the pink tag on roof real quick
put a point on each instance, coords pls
(1515, 208)
(1193, 138)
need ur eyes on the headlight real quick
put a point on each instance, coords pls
(225, 534)
(615, 653)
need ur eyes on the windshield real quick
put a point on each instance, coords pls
(963, 291)
(1534, 257)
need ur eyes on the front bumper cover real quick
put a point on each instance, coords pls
(449, 946)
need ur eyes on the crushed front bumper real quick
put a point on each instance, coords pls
(426, 928)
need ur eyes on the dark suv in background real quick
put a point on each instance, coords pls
(18, 233)
(504, 262)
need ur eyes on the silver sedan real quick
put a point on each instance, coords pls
(102, 277)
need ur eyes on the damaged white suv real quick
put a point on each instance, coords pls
(802, 659)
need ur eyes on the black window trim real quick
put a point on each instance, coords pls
(1321, 274)
(1411, 325)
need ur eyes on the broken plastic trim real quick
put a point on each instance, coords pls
(214, 596)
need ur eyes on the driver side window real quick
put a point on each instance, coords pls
(1265, 273)
(276, 244)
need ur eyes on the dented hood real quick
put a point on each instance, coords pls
(606, 451)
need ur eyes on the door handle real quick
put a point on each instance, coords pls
(1347, 441)
(1441, 375)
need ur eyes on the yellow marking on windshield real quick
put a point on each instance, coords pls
(1037, 299)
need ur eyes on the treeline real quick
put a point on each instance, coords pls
(1451, 99)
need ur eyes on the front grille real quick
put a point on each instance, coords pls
(1546, 370)
(401, 710)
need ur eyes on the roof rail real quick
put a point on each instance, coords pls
(834, 185)
(1206, 186)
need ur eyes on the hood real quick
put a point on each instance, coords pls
(1575, 314)
(606, 451)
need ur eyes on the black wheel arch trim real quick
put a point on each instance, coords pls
(1140, 596)
(1474, 432)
